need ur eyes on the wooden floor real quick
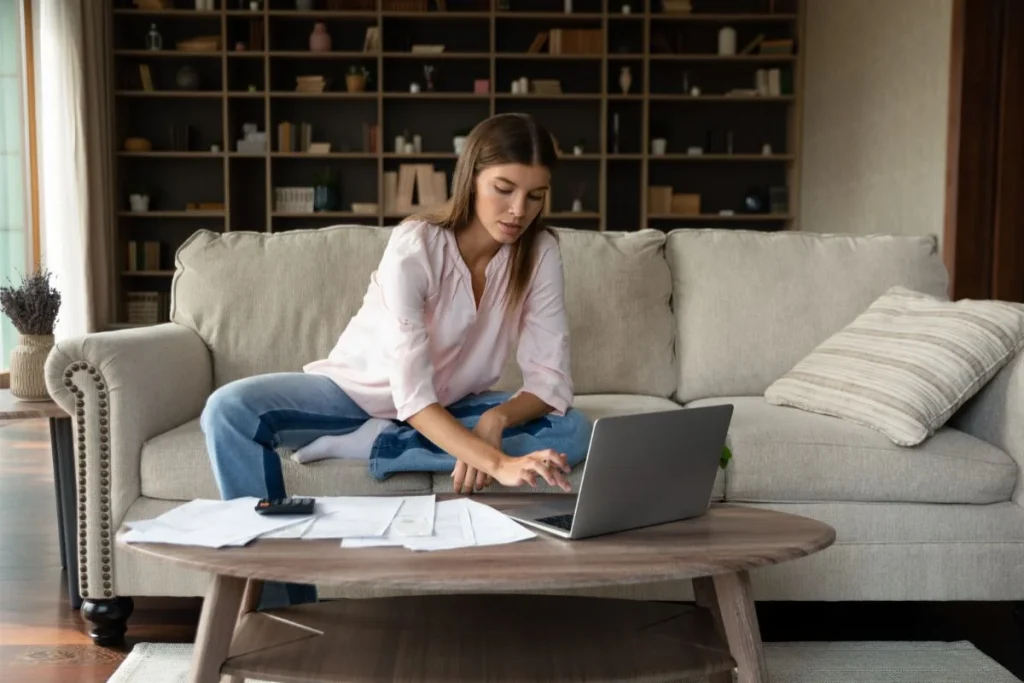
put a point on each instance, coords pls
(42, 640)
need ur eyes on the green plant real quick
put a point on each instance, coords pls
(33, 306)
(325, 177)
(723, 462)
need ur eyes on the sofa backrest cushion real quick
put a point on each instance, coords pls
(273, 302)
(618, 292)
(749, 305)
(267, 302)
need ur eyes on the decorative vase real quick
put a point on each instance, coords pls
(325, 198)
(28, 362)
(186, 78)
(625, 79)
(355, 82)
(139, 202)
(459, 143)
(319, 39)
(727, 41)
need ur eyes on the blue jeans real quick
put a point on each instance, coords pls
(246, 420)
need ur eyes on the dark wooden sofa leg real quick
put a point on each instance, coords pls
(109, 619)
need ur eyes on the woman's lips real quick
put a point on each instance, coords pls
(510, 228)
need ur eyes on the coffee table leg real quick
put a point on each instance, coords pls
(736, 620)
(216, 628)
(250, 601)
(704, 596)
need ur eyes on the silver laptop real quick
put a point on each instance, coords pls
(640, 470)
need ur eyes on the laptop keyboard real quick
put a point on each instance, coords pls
(560, 521)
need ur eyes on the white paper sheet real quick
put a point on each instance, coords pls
(453, 528)
(458, 523)
(210, 523)
(414, 518)
(342, 517)
(492, 527)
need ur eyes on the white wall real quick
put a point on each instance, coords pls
(876, 100)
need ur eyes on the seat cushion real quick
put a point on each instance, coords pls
(595, 406)
(783, 454)
(175, 466)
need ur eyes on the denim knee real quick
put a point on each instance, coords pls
(225, 404)
(578, 429)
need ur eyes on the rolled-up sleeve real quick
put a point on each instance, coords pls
(543, 349)
(403, 278)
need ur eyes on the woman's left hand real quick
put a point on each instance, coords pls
(467, 479)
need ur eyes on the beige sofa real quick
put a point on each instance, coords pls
(691, 318)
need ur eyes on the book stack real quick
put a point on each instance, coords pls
(310, 83)
(148, 308)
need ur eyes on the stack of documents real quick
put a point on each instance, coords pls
(412, 522)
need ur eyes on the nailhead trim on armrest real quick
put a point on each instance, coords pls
(104, 476)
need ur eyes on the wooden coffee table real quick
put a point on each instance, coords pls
(486, 624)
(63, 452)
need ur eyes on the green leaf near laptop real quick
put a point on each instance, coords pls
(726, 457)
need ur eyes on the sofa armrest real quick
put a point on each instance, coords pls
(996, 415)
(121, 389)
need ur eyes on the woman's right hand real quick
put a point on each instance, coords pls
(549, 464)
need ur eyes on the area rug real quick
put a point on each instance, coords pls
(844, 662)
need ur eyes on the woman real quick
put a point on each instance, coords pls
(407, 385)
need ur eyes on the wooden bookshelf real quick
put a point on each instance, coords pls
(217, 90)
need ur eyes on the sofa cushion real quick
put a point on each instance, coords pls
(787, 455)
(749, 304)
(246, 294)
(595, 406)
(618, 293)
(272, 302)
(906, 364)
(175, 466)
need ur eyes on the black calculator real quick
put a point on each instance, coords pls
(285, 506)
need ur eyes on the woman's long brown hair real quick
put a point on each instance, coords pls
(500, 139)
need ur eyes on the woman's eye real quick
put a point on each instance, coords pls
(534, 198)
(503, 190)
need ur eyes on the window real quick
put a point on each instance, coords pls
(15, 231)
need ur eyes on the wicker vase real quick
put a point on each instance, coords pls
(28, 360)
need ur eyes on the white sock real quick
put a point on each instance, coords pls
(355, 445)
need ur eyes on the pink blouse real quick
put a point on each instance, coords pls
(418, 338)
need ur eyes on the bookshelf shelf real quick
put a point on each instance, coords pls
(219, 144)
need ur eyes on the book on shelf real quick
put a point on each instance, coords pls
(294, 138)
(413, 187)
(575, 41)
(143, 255)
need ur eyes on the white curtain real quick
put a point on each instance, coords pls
(75, 168)
(62, 186)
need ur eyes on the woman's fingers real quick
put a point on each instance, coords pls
(470, 480)
(481, 480)
(458, 474)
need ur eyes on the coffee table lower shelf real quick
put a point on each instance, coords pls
(478, 638)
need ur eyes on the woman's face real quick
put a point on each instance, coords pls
(509, 197)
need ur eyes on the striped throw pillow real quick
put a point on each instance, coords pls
(906, 364)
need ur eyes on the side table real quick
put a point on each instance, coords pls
(63, 453)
